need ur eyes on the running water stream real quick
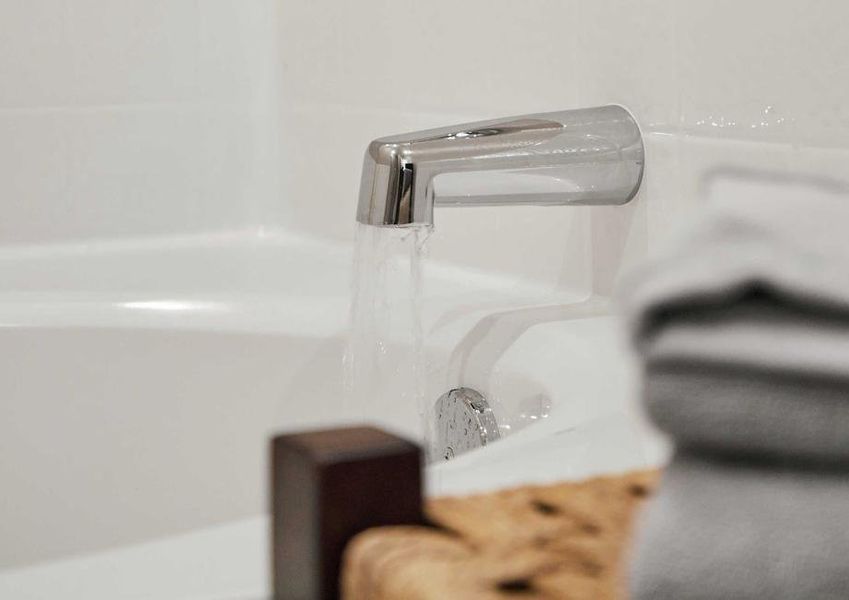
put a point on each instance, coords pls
(384, 363)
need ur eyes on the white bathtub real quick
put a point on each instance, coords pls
(141, 381)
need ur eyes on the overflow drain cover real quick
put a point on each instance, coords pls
(464, 421)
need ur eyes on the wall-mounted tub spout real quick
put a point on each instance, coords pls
(591, 156)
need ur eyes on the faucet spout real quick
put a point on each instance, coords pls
(591, 156)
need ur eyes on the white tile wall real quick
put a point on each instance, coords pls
(36, 63)
(137, 117)
(163, 116)
(712, 82)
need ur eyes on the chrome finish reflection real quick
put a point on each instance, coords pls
(464, 421)
(590, 156)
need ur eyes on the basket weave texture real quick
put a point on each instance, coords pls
(563, 541)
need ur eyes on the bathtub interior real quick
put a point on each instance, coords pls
(159, 368)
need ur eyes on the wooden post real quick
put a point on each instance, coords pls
(327, 486)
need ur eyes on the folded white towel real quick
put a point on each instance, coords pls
(790, 247)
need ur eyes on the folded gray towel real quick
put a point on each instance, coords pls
(750, 413)
(743, 531)
(752, 379)
(743, 328)
(754, 333)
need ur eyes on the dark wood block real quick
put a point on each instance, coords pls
(326, 487)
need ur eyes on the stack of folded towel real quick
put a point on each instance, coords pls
(743, 329)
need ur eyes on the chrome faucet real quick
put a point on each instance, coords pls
(591, 156)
